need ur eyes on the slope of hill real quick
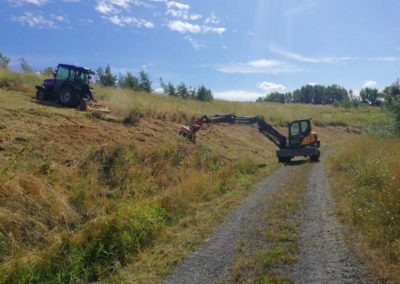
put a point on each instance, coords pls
(81, 194)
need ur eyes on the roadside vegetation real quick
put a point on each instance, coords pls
(83, 195)
(365, 175)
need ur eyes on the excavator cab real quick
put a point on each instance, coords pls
(300, 134)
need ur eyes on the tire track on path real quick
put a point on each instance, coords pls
(212, 261)
(324, 256)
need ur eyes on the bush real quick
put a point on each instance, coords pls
(134, 117)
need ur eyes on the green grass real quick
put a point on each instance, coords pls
(156, 106)
(18, 82)
(83, 195)
(115, 201)
(366, 175)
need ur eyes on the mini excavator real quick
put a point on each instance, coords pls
(302, 141)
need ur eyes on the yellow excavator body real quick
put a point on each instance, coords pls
(311, 140)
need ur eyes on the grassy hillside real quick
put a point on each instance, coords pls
(82, 195)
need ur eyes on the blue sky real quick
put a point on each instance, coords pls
(241, 49)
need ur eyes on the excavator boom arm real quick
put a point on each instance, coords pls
(269, 131)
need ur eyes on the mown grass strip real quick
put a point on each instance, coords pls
(268, 263)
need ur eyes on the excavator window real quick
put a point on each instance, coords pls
(305, 127)
(295, 129)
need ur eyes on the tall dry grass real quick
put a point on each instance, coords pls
(18, 82)
(122, 101)
(81, 221)
(366, 172)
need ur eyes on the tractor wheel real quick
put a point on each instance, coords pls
(69, 98)
(41, 95)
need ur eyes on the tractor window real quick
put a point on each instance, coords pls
(295, 129)
(62, 73)
(305, 126)
(84, 78)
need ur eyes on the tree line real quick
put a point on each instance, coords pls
(142, 83)
(311, 94)
(334, 94)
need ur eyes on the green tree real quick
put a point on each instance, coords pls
(204, 94)
(106, 78)
(145, 83)
(274, 97)
(4, 61)
(49, 71)
(391, 94)
(25, 67)
(130, 81)
(182, 91)
(370, 96)
(170, 90)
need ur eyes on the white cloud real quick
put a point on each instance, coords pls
(370, 84)
(212, 19)
(22, 2)
(329, 59)
(184, 27)
(183, 14)
(115, 6)
(197, 45)
(38, 21)
(187, 27)
(123, 21)
(271, 87)
(262, 66)
(312, 84)
(238, 95)
(217, 30)
(177, 5)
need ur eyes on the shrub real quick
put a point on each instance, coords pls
(134, 117)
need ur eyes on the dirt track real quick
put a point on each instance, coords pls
(213, 260)
(323, 255)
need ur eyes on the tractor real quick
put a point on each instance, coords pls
(69, 87)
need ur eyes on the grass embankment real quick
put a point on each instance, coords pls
(157, 106)
(81, 221)
(80, 197)
(365, 174)
(269, 263)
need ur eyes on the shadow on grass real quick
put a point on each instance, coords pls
(48, 103)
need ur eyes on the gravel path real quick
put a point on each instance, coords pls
(211, 262)
(324, 257)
